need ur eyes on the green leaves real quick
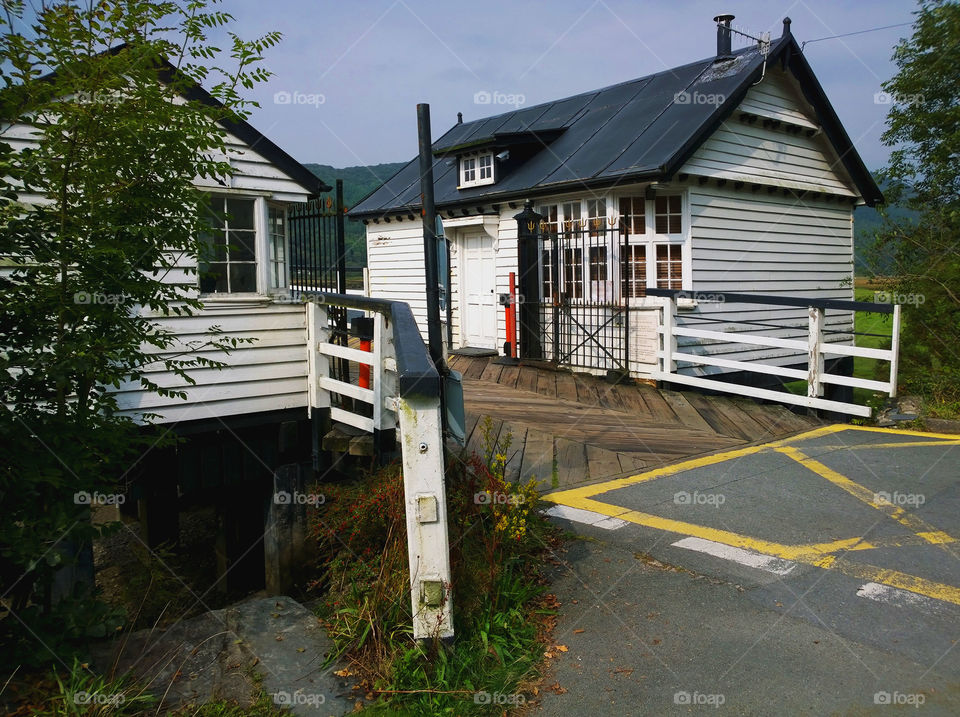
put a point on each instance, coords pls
(93, 212)
(923, 127)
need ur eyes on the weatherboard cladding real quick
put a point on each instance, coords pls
(627, 132)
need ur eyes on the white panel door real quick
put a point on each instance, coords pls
(479, 291)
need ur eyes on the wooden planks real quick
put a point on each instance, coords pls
(570, 428)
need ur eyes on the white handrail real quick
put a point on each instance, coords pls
(815, 347)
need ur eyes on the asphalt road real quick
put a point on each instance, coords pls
(816, 575)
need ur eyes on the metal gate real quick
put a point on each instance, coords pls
(317, 244)
(584, 319)
(318, 259)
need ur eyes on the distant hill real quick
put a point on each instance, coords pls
(866, 223)
(358, 182)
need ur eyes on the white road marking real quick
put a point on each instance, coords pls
(898, 596)
(578, 515)
(778, 566)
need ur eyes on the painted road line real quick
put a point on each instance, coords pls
(578, 515)
(896, 596)
(773, 565)
(918, 526)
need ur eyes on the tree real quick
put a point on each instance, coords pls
(92, 215)
(923, 126)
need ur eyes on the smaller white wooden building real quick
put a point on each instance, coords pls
(730, 174)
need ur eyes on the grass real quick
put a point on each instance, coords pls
(502, 612)
(879, 327)
(80, 692)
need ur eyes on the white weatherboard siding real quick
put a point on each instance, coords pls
(752, 149)
(758, 243)
(266, 375)
(395, 263)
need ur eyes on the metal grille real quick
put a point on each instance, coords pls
(583, 316)
(318, 260)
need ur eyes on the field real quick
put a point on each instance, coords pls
(873, 331)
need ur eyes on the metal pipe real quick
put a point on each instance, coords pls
(428, 213)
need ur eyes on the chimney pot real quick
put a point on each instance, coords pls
(724, 51)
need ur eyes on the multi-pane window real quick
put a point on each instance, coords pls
(485, 162)
(549, 280)
(633, 219)
(229, 259)
(669, 266)
(668, 214)
(573, 273)
(277, 241)
(571, 217)
(633, 270)
(549, 222)
(598, 263)
(469, 170)
(476, 170)
(596, 216)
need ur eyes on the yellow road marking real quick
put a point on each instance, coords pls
(919, 527)
(822, 555)
(902, 444)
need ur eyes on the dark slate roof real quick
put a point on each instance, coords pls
(634, 131)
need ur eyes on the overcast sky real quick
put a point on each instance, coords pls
(367, 63)
(372, 61)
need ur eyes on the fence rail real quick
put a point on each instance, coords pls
(815, 349)
(405, 395)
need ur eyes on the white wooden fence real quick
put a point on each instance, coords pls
(814, 347)
(405, 395)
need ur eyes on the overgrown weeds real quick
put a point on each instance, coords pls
(501, 612)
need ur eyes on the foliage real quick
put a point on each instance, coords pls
(497, 543)
(83, 693)
(923, 126)
(92, 215)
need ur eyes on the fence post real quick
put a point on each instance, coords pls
(895, 350)
(384, 387)
(318, 332)
(426, 510)
(814, 352)
(669, 339)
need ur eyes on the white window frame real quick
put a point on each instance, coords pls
(267, 274)
(259, 240)
(649, 239)
(477, 170)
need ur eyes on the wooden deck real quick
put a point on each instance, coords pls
(570, 428)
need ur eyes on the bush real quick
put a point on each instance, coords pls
(497, 540)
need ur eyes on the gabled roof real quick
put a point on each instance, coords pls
(633, 131)
(241, 129)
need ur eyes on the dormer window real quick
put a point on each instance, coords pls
(476, 170)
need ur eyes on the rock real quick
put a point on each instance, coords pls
(942, 425)
(215, 656)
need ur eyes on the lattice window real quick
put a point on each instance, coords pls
(669, 266)
(633, 270)
(633, 219)
(668, 214)
(573, 273)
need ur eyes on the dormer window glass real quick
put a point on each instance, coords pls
(476, 169)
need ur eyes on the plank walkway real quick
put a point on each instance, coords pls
(567, 428)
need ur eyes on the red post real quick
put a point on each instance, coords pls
(363, 328)
(512, 316)
(363, 377)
